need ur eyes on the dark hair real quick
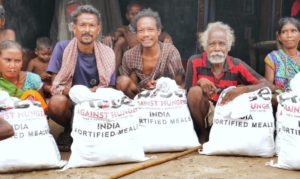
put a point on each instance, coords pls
(147, 13)
(132, 3)
(7, 44)
(286, 20)
(2, 12)
(86, 9)
(43, 42)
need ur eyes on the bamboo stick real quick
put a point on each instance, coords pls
(153, 163)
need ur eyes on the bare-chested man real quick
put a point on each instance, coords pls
(5, 34)
(39, 64)
(149, 60)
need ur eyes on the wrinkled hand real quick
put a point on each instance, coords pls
(207, 86)
(150, 85)
(231, 95)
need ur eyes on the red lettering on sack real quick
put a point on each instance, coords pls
(259, 106)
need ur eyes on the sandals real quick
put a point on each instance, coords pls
(64, 142)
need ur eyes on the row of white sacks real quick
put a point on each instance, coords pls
(108, 128)
(116, 129)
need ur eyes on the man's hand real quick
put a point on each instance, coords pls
(66, 91)
(229, 96)
(93, 89)
(45, 76)
(150, 85)
(207, 86)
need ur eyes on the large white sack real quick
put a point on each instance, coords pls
(32, 147)
(244, 126)
(294, 83)
(165, 119)
(81, 93)
(288, 133)
(105, 131)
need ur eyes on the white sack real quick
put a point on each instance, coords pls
(32, 146)
(244, 126)
(105, 131)
(81, 93)
(165, 119)
(288, 133)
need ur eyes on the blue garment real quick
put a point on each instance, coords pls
(86, 72)
(32, 81)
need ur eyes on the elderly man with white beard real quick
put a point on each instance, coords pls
(214, 70)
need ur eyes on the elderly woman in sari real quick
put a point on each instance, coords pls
(20, 84)
(283, 64)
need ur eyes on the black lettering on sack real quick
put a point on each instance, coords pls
(282, 99)
(116, 103)
(144, 94)
(179, 93)
(168, 95)
(264, 93)
(253, 98)
(124, 101)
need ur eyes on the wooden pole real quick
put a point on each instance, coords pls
(153, 163)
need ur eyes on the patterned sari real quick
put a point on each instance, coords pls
(28, 91)
(284, 66)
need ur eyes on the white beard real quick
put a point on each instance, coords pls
(216, 57)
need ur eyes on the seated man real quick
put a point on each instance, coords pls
(6, 130)
(81, 61)
(5, 34)
(149, 60)
(125, 38)
(214, 70)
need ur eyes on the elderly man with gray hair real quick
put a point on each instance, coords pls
(214, 70)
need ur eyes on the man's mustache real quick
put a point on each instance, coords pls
(86, 34)
(217, 54)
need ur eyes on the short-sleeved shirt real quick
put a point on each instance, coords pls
(86, 72)
(132, 62)
(235, 72)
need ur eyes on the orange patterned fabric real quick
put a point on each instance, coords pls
(34, 96)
